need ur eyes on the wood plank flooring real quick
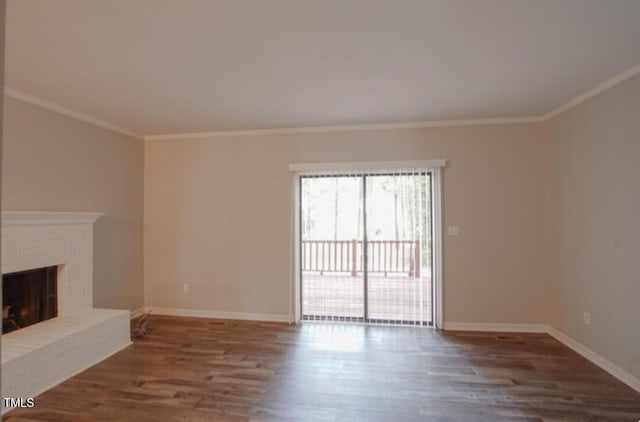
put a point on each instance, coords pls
(193, 369)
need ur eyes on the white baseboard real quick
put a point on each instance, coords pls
(137, 312)
(205, 313)
(631, 380)
(597, 359)
(496, 327)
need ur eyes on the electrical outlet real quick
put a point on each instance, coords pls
(586, 318)
(185, 288)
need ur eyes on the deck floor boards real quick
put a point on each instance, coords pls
(392, 297)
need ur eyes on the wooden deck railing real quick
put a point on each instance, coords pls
(384, 256)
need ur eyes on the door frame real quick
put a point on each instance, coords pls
(432, 166)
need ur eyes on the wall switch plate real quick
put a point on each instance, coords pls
(586, 318)
(453, 230)
(185, 288)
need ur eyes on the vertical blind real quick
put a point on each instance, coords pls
(366, 246)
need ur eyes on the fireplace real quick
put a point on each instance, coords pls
(76, 335)
(29, 297)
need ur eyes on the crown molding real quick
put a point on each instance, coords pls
(31, 99)
(344, 128)
(609, 83)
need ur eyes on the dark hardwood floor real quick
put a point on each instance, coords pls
(202, 370)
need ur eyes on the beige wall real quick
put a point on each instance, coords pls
(217, 216)
(55, 163)
(594, 222)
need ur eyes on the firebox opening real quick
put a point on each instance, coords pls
(29, 297)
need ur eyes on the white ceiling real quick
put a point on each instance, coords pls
(179, 66)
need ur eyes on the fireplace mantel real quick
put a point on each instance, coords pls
(21, 218)
(38, 239)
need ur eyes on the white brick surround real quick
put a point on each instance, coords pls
(29, 243)
(43, 355)
(40, 356)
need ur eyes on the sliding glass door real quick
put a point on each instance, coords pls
(331, 248)
(366, 247)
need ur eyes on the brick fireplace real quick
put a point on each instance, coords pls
(46, 353)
